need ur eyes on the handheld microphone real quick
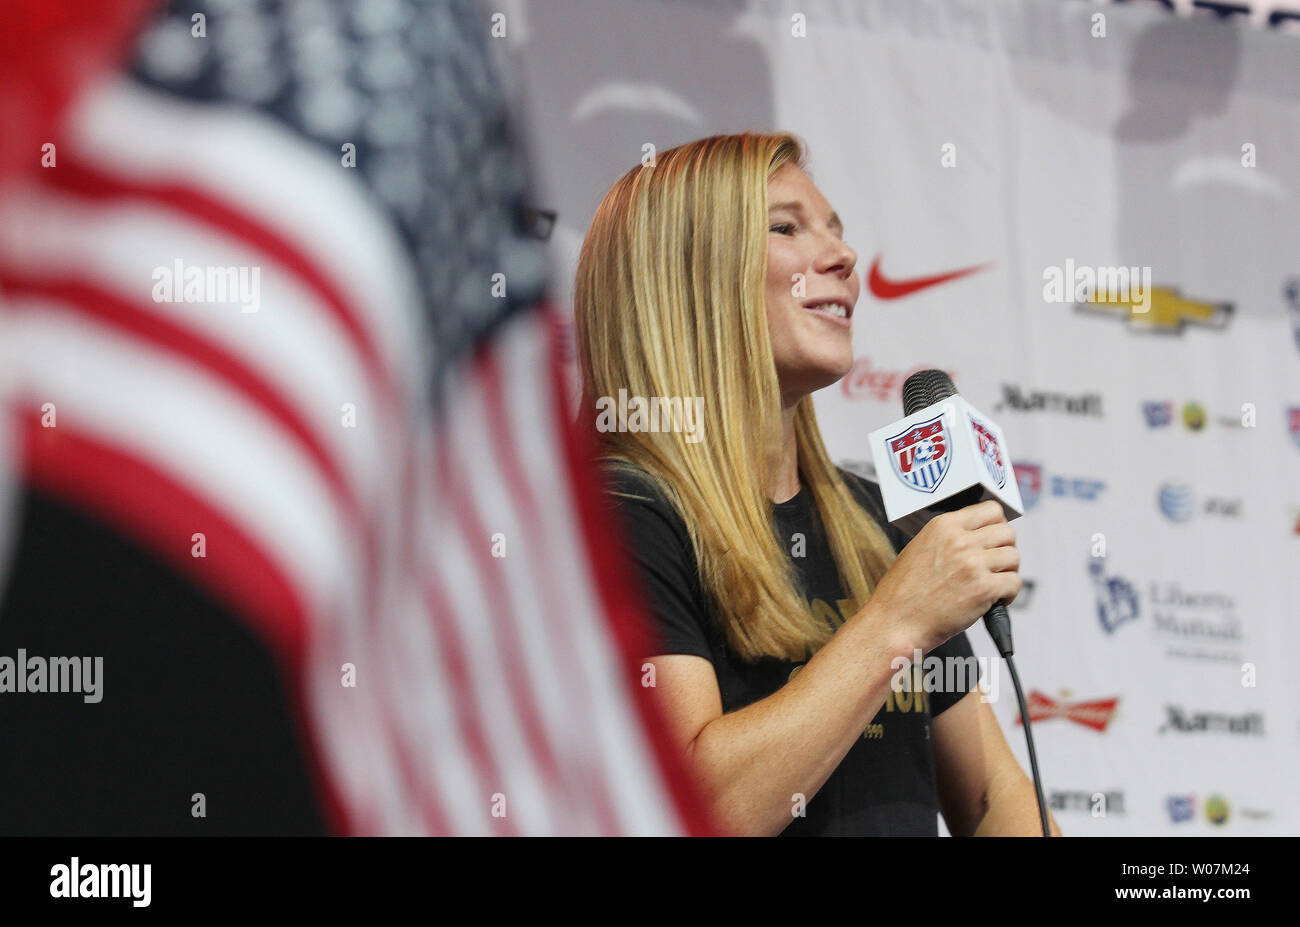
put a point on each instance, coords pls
(943, 455)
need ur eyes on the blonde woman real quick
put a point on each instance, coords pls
(782, 605)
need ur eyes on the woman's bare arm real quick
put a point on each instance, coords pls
(754, 763)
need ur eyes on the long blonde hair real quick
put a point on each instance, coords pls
(670, 302)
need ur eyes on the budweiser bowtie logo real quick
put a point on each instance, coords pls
(1095, 714)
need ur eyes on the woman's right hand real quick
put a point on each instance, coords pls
(951, 573)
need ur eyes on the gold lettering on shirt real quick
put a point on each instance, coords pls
(822, 611)
(911, 696)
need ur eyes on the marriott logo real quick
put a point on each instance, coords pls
(1182, 721)
(1018, 399)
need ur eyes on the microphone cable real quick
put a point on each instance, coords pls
(998, 624)
(1029, 741)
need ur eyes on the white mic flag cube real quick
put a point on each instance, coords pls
(938, 452)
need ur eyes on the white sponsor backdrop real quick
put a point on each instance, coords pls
(1122, 149)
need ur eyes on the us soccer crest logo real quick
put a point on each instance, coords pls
(920, 455)
(990, 451)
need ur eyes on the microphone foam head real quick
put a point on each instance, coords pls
(925, 388)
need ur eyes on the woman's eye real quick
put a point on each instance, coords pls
(783, 225)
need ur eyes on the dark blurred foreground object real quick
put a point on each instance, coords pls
(267, 427)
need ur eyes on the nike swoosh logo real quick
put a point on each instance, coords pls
(883, 288)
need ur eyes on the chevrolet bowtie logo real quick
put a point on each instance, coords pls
(1095, 714)
(1168, 311)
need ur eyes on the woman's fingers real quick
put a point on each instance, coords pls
(1002, 559)
(1011, 586)
(988, 512)
(997, 535)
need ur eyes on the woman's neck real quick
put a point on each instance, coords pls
(785, 461)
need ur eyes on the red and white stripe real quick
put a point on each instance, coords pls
(477, 676)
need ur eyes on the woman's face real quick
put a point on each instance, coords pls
(812, 346)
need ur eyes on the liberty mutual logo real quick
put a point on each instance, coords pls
(1117, 600)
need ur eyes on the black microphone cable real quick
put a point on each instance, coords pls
(1029, 741)
(998, 623)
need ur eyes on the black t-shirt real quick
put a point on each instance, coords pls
(885, 785)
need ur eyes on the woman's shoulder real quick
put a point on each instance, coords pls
(627, 481)
(639, 497)
(649, 525)
(865, 487)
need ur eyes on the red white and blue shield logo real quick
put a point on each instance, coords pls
(991, 451)
(1029, 477)
(921, 455)
(1293, 419)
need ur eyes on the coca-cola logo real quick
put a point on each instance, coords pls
(867, 381)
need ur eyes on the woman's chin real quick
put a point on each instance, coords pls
(815, 376)
(840, 374)
(836, 366)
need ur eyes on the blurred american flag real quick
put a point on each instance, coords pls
(370, 467)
